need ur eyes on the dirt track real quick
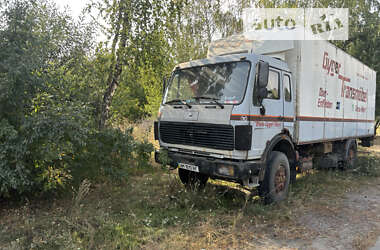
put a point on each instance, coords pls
(353, 222)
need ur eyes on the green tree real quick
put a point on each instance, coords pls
(42, 121)
(139, 58)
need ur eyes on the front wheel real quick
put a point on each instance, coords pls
(192, 179)
(275, 186)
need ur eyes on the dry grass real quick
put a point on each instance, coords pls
(153, 210)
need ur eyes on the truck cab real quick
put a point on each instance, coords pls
(220, 114)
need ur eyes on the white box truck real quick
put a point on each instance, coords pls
(258, 112)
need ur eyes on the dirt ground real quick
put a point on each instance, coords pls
(353, 222)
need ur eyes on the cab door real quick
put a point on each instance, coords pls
(274, 103)
(269, 123)
(288, 102)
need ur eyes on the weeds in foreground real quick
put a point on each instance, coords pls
(155, 211)
(368, 164)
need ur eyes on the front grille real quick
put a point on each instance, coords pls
(198, 134)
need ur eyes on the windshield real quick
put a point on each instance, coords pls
(222, 82)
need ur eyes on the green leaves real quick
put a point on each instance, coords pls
(50, 91)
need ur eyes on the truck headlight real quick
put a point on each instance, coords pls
(226, 170)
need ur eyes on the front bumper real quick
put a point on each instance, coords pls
(239, 171)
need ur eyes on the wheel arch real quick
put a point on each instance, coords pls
(282, 143)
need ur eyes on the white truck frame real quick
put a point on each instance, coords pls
(325, 102)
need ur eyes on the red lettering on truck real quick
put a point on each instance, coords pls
(333, 67)
(344, 79)
(330, 65)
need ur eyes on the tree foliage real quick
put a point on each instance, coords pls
(35, 41)
(137, 55)
(50, 86)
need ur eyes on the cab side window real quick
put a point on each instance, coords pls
(273, 85)
(287, 88)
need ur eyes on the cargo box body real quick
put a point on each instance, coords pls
(335, 93)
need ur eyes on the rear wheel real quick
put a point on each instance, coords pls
(192, 179)
(275, 186)
(351, 155)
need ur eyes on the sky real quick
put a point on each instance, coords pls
(75, 6)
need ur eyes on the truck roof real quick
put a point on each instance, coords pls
(240, 44)
(274, 62)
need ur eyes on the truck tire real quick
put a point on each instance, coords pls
(350, 154)
(275, 186)
(192, 179)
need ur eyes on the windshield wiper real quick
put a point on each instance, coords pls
(179, 101)
(215, 100)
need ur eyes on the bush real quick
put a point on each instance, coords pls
(50, 91)
(143, 152)
(108, 153)
(52, 151)
(13, 174)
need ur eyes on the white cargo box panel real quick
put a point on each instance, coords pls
(239, 44)
(335, 93)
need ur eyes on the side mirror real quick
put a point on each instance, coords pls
(262, 93)
(263, 72)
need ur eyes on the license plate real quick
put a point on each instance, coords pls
(189, 167)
